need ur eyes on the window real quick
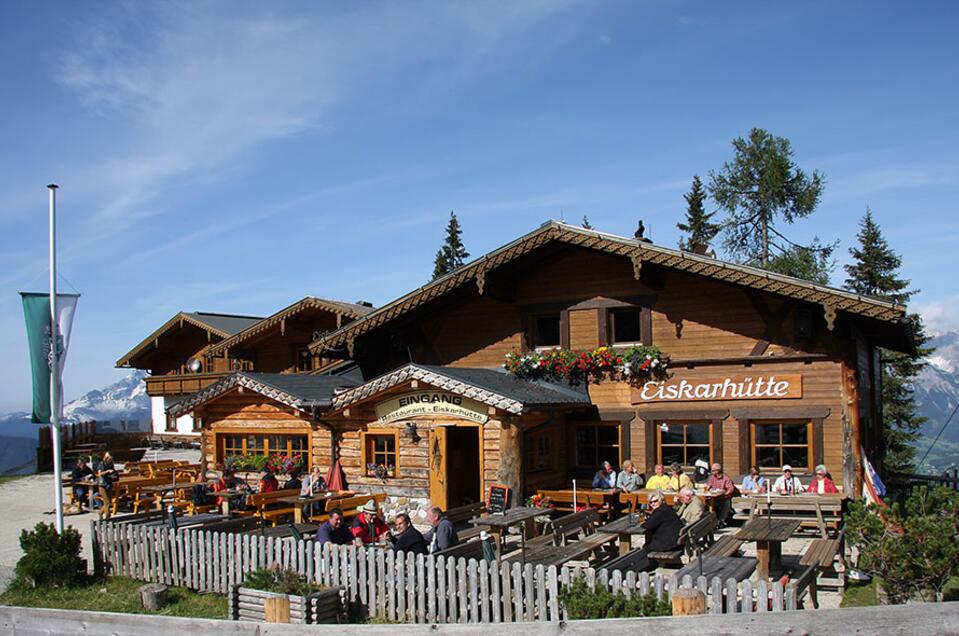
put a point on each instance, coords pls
(539, 452)
(379, 454)
(170, 424)
(624, 326)
(240, 444)
(684, 443)
(304, 360)
(546, 331)
(778, 443)
(597, 443)
(197, 423)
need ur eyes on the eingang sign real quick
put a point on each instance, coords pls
(440, 403)
(739, 387)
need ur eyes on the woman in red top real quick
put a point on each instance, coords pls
(821, 484)
(268, 482)
(226, 482)
(368, 527)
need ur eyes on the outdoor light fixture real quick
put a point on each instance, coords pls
(411, 432)
(664, 427)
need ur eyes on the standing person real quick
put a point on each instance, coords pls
(268, 482)
(106, 477)
(406, 538)
(677, 478)
(368, 527)
(659, 480)
(822, 484)
(786, 484)
(334, 530)
(80, 478)
(604, 478)
(754, 483)
(691, 507)
(442, 535)
(724, 489)
(629, 480)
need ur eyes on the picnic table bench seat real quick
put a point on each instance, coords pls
(464, 550)
(633, 561)
(573, 537)
(693, 535)
(348, 505)
(727, 545)
(562, 500)
(822, 554)
(461, 514)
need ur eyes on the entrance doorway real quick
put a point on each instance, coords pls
(455, 466)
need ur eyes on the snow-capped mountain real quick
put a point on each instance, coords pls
(937, 393)
(123, 400)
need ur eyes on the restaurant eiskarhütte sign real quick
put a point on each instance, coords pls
(737, 387)
(436, 403)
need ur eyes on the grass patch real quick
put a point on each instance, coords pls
(859, 594)
(5, 479)
(118, 594)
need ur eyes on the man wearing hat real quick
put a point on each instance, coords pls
(368, 527)
(787, 484)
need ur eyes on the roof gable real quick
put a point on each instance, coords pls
(220, 325)
(639, 252)
(345, 310)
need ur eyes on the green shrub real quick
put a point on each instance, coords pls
(282, 581)
(49, 559)
(581, 602)
(912, 546)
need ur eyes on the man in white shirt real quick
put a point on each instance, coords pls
(786, 484)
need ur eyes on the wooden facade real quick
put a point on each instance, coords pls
(720, 325)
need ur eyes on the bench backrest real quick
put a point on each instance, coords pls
(467, 550)
(694, 533)
(266, 498)
(348, 504)
(585, 498)
(465, 513)
(579, 522)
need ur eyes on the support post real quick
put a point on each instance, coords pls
(55, 363)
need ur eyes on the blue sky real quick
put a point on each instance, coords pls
(236, 157)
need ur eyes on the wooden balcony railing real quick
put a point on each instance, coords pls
(183, 384)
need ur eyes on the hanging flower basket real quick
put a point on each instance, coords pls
(636, 364)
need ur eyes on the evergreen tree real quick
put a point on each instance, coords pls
(875, 272)
(758, 188)
(586, 224)
(814, 262)
(453, 254)
(700, 231)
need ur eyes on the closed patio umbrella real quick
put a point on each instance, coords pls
(335, 479)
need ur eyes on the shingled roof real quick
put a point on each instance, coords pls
(348, 311)
(639, 252)
(301, 392)
(493, 387)
(222, 325)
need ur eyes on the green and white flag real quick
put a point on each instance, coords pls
(36, 310)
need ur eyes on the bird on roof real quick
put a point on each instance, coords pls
(640, 230)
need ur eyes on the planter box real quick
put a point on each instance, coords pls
(326, 606)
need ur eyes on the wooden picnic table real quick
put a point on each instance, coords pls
(639, 498)
(822, 512)
(593, 497)
(159, 490)
(725, 567)
(227, 496)
(769, 535)
(498, 524)
(626, 526)
(299, 502)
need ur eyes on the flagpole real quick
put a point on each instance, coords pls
(55, 363)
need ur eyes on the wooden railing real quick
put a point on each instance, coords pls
(394, 586)
(181, 384)
(71, 436)
(948, 479)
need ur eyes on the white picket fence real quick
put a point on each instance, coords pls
(396, 586)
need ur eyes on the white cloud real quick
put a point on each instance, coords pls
(940, 315)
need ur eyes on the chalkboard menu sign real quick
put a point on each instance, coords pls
(497, 498)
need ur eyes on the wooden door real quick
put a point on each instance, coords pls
(438, 476)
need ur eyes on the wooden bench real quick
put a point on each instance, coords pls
(822, 513)
(692, 537)
(803, 579)
(632, 561)
(266, 507)
(724, 546)
(558, 546)
(821, 554)
(469, 550)
(461, 514)
(562, 500)
(348, 505)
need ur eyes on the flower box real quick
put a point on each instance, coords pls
(325, 606)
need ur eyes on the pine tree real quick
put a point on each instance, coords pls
(813, 262)
(700, 231)
(875, 272)
(453, 254)
(586, 225)
(759, 187)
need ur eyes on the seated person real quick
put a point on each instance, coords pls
(754, 483)
(701, 471)
(268, 482)
(313, 483)
(293, 483)
(786, 484)
(81, 478)
(442, 535)
(406, 538)
(724, 489)
(367, 526)
(334, 530)
(227, 481)
(659, 480)
(629, 480)
(691, 507)
(677, 478)
(822, 483)
(605, 477)
(662, 526)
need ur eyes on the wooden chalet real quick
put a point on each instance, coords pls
(764, 369)
(193, 350)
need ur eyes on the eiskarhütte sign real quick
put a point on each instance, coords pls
(737, 387)
(437, 403)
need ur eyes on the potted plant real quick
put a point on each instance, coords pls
(278, 595)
